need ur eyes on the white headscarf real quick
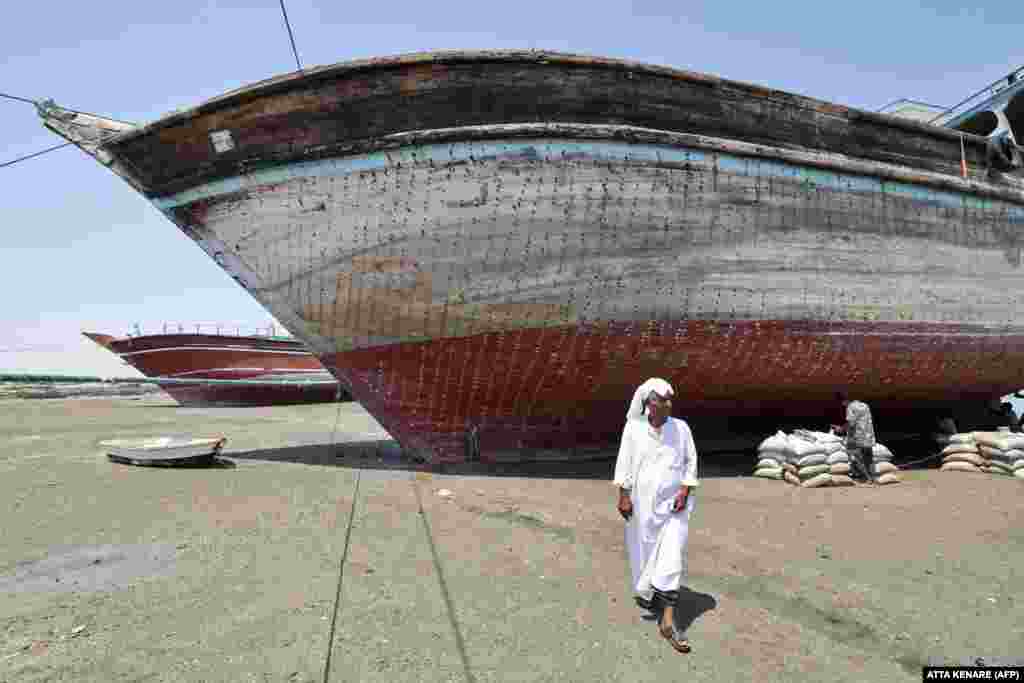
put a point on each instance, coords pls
(643, 392)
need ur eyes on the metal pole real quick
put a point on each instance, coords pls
(971, 97)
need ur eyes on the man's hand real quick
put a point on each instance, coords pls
(625, 507)
(680, 500)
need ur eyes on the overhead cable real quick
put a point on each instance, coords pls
(28, 100)
(291, 36)
(16, 98)
(35, 154)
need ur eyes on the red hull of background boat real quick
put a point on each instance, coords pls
(222, 357)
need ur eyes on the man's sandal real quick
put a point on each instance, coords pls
(681, 645)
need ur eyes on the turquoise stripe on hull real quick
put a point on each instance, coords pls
(596, 151)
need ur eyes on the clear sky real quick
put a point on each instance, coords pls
(81, 250)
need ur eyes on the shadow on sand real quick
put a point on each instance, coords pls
(386, 454)
(690, 606)
(213, 463)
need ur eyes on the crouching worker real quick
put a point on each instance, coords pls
(1001, 415)
(656, 472)
(860, 437)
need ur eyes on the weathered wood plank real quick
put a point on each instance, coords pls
(341, 111)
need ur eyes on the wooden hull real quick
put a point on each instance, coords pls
(556, 393)
(492, 250)
(274, 362)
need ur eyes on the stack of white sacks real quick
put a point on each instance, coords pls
(1004, 452)
(772, 457)
(960, 453)
(812, 459)
(989, 452)
(885, 471)
(820, 459)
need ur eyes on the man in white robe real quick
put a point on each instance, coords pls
(655, 472)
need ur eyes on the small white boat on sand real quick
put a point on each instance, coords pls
(165, 451)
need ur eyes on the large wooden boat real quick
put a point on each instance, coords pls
(247, 370)
(492, 249)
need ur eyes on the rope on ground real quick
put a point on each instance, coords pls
(341, 578)
(459, 644)
(344, 553)
(906, 465)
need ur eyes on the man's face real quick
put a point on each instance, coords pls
(659, 407)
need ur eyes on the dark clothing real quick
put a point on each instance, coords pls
(1004, 417)
(862, 463)
(666, 598)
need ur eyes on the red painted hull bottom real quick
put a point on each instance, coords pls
(561, 393)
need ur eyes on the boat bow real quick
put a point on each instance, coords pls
(89, 133)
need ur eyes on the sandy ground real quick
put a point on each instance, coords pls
(119, 573)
